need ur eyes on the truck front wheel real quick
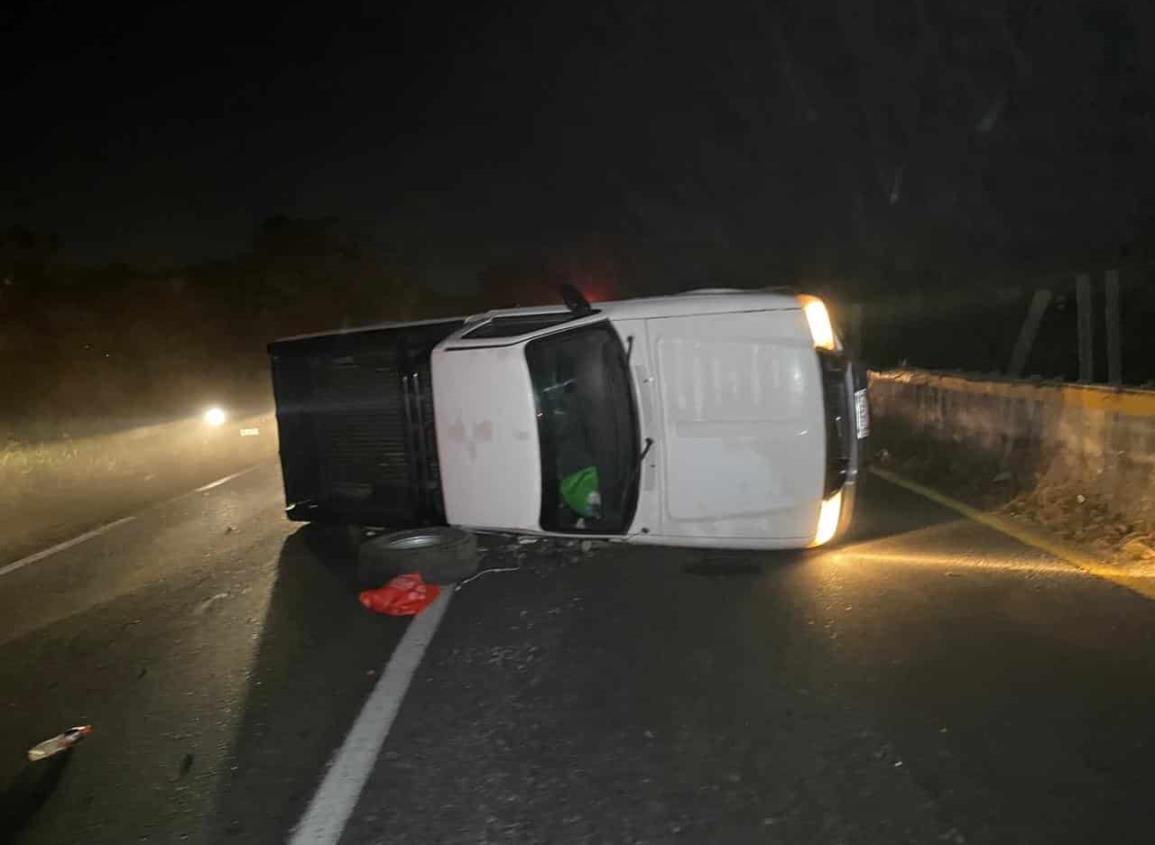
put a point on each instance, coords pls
(439, 555)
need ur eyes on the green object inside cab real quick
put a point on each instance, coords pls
(581, 492)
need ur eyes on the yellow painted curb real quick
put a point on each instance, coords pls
(1079, 559)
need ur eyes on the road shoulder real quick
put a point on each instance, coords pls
(1138, 579)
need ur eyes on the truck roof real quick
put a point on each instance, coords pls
(701, 301)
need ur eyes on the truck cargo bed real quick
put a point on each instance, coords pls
(355, 416)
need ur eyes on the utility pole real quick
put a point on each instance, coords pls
(1028, 332)
(1085, 326)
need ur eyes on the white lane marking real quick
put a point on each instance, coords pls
(224, 480)
(67, 544)
(328, 813)
(96, 532)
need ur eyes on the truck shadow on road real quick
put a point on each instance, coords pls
(23, 796)
(317, 659)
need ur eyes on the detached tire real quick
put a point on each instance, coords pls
(440, 555)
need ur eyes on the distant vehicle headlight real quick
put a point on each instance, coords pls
(828, 516)
(215, 416)
(821, 329)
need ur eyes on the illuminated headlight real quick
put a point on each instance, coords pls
(828, 516)
(818, 318)
(215, 416)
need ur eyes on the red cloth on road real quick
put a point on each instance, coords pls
(405, 595)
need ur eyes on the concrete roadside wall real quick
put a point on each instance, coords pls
(51, 490)
(1097, 440)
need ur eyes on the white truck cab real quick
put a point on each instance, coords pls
(713, 418)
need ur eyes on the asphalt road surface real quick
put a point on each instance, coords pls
(929, 680)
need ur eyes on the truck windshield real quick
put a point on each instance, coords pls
(587, 427)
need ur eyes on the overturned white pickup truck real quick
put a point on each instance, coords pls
(714, 418)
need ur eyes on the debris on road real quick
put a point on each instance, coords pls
(405, 595)
(481, 572)
(1138, 548)
(209, 602)
(58, 743)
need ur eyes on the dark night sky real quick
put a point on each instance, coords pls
(710, 142)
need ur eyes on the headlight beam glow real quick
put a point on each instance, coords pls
(828, 516)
